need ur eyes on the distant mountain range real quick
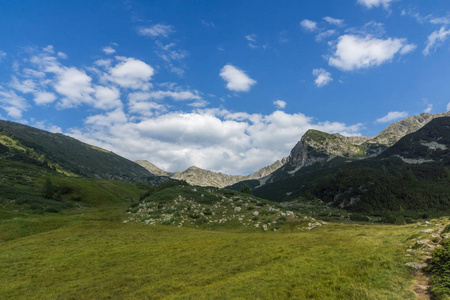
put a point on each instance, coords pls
(404, 170)
(196, 176)
(313, 147)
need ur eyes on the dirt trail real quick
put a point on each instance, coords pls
(422, 283)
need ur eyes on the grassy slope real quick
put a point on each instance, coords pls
(87, 253)
(101, 259)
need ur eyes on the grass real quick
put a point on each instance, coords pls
(101, 259)
(87, 252)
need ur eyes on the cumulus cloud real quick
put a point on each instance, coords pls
(429, 108)
(156, 30)
(214, 139)
(308, 25)
(280, 104)
(333, 21)
(391, 116)
(375, 3)
(435, 39)
(322, 77)
(13, 104)
(358, 52)
(131, 73)
(75, 87)
(41, 98)
(107, 97)
(237, 80)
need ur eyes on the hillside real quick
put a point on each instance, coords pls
(411, 178)
(68, 155)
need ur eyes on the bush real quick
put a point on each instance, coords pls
(359, 218)
(446, 228)
(440, 272)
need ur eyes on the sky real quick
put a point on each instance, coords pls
(228, 86)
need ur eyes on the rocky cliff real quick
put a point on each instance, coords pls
(315, 146)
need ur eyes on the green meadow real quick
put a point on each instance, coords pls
(86, 251)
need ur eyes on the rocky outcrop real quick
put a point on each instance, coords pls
(316, 146)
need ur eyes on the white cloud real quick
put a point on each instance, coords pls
(131, 73)
(440, 20)
(175, 95)
(252, 40)
(280, 104)
(156, 30)
(62, 55)
(251, 37)
(333, 21)
(41, 98)
(357, 52)
(408, 48)
(429, 108)
(236, 79)
(322, 77)
(107, 97)
(25, 87)
(75, 86)
(435, 39)
(47, 127)
(308, 25)
(108, 50)
(325, 34)
(391, 116)
(448, 106)
(375, 3)
(13, 104)
(214, 139)
(199, 103)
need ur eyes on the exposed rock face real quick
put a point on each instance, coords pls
(315, 146)
(153, 169)
(201, 177)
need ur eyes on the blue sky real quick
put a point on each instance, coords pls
(229, 86)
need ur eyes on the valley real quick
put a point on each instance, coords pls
(336, 224)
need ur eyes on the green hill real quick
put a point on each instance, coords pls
(68, 155)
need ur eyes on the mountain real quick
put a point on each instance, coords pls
(411, 178)
(429, 144)
(315, 146)
(320, 147)
(68, 155)
(153, 169)
(200, 177)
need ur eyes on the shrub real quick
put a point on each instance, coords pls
(440, 272)
(359, 218)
